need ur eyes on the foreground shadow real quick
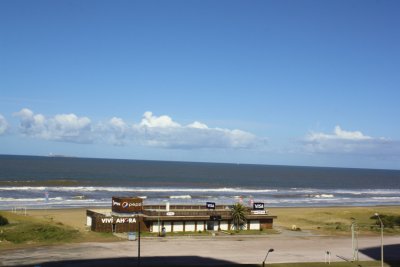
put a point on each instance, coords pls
(145, 261)
(391, 254)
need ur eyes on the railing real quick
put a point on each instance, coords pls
(185, 207)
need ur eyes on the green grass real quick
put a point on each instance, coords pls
(336, 220)
(37, 232)
(23, 229)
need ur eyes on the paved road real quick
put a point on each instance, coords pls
(204, 250)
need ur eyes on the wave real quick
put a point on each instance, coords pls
(182, 197)
(324, 196)
(386, 198)
(238, 190)
(23, 188)
(133, 189)
(368, 191)
(8, 199)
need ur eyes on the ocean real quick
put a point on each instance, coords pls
(65, 182)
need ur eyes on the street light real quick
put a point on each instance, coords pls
(354, 239)
(377, 215)
(270, 250)
(138, 257)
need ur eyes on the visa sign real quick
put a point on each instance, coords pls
(210, 205)
(258, 206)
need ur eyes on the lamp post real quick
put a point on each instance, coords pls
(354, 239)
(270, 250)
(377, 215)
(138, 258)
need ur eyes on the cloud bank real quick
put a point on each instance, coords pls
(152, 130)
(350, 142)
(3, 125)
(62, 127)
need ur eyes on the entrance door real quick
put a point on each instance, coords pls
(114, 228)
(212, 226)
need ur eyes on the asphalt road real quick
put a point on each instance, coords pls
(203, 250)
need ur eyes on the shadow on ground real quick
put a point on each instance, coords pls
(391, 254)
(145, 261)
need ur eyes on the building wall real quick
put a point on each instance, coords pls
(168, 226)
(100, 222)
(154, 227)
(223, 225)
(88, 221)
(200, 226)
(255, 225)
(190, 226)
(178, 226)
(266, 223)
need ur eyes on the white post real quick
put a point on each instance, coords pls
(328, 257)
(377, 215)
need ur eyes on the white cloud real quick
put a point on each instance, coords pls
(149, 120)
(339, 134)
(61, 127)
(3, 125)
(197, 125)
(152, 130)
(162, 131)
(354, 142)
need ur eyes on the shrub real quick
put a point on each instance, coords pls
(3, 220)
(389, 221)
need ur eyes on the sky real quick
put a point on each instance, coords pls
(309, 83)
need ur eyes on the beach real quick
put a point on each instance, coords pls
(317, 232)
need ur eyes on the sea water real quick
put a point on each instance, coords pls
(62, 182)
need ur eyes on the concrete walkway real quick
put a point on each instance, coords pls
(212, 250)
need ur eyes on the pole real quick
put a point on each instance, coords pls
(138, 263)
(270, 250)
(377, 215)
(381, 242)
(352, 241)
(158, 224)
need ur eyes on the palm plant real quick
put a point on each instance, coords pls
(238, 212)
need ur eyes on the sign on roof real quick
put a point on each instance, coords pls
(210, 205)
(126, 204)
(258, 206)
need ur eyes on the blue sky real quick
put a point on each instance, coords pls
(268, 82)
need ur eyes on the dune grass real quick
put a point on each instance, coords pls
(25, 231)
(334, 220)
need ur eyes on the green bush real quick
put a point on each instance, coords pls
(389, 221)
(3, 221)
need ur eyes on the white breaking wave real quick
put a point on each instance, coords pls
(23, 188)
(386, 198)
(132, 189)
(8, 199)
(182, 197)
(324, 196)
(368, 191)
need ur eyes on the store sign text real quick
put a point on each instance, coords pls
(118, 220)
